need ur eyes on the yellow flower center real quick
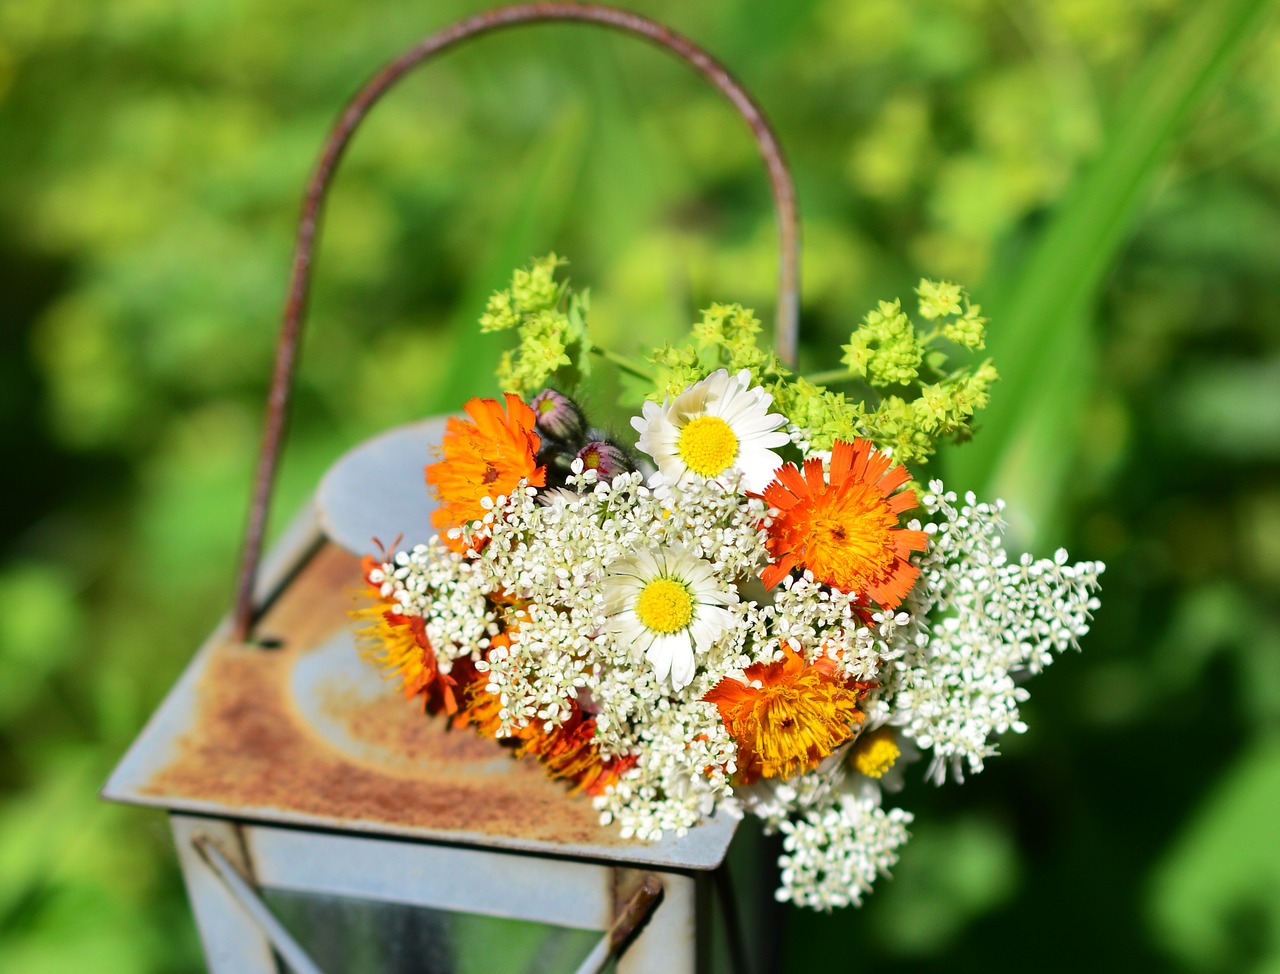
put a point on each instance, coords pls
(664, 605)
(875, 753)
(707, 446)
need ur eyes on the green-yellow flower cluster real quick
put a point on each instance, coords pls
(960, 321)
(899, 388)
(550, 319)
(917, 398)
(725, 338)
(884, 350)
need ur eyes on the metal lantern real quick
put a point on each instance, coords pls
(294, 775)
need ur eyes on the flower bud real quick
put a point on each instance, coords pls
(606, 459)
(558, 417)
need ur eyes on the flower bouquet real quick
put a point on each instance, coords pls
(746, 601)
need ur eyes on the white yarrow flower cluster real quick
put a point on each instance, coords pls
(626, 602)
(833, 857)
(993, 624)
(450, 595)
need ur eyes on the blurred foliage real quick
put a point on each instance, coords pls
(1104, 177)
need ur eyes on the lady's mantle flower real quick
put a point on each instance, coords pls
(844, 529)
(884, 349)
(487, 456)
(788, 715)
(715, 427)
(668, 604)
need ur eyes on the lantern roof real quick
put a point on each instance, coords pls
(296, 729)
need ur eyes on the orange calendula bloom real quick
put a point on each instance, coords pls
(788, 715)
(485, 456)
(844, 528)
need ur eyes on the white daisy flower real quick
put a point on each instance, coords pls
(717, 426)
(669, 605)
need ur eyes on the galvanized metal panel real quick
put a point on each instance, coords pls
(294, 955)
(378, 489)
(668, 943)
(560, 892)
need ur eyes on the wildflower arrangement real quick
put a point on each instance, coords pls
(749, 604)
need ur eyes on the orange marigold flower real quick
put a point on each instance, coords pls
(844, 528)
(788, 715)
(567, 751)
(485, 456)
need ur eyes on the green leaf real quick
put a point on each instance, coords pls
(1215, 901)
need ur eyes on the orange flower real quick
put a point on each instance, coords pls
(484, 457)
(569, 751)
(788, 715)
(845, 529)
(399, 645)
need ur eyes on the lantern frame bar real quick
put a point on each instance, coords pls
(290, 950)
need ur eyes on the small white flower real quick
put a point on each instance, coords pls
(832, 856)
(669, 605)
(715, 428)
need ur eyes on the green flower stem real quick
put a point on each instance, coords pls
(626, 364)
(830, 376)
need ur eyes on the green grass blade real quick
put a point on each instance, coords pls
(1041, 309)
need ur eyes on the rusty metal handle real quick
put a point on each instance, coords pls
(785, 326)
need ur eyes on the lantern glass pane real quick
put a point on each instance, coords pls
(343, 934)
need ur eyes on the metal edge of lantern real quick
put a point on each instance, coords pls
(702, 848)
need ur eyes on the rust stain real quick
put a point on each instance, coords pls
(250, 747)
(399, 731)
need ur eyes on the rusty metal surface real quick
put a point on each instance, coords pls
(786, 325)
(306, 734)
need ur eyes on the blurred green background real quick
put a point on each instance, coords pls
(1104, 176)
